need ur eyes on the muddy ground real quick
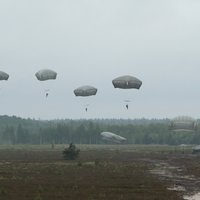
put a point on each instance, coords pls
(101, 172)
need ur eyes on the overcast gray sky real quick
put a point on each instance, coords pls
(91, 42)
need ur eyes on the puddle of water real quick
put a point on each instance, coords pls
(170, 173)
(177, 188)
(194, 197)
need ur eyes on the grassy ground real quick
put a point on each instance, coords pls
(101, 172)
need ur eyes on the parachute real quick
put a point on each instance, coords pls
(127, 82)
(44, 75)
(112, 137)
(3, 76)
(183, 124)
(85, 91)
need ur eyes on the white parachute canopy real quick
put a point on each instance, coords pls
(127, 82)
(183, 124)
(112, 137)
(85, 91)
(3, 76)
(46, 74)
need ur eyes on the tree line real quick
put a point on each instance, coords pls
(15, 130)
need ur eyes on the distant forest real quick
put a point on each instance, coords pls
(15, 130)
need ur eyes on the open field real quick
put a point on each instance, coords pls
(101, 172)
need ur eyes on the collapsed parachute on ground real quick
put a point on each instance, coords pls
(196, 149)
(46, 74)
(3, 76)
(127, 82)
(85, 91)
(112, 137)
(183, 124)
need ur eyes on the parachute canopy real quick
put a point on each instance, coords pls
(112, 137)
(3, 76)
(183, 123)
(46, 74)
(85, 91)
(126, 82)
(196, 149)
